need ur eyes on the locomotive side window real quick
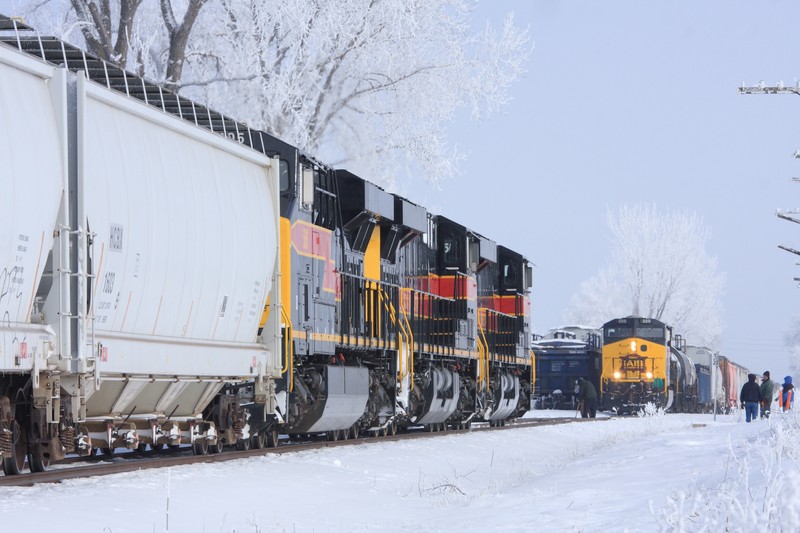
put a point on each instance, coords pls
(510, 275)
(283, 175)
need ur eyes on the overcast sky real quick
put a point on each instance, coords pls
(628, 102)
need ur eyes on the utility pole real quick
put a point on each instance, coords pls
(714, 366)
(762, 88)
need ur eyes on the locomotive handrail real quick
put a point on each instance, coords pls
(289, 347)
(483, 364)
(404, 334)
(481, 355)
(411, 339)
(389, 284)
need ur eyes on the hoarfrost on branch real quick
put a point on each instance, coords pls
(367, 84)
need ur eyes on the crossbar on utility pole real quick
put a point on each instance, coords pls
(763, 88)
(792, 250)
(786, 216)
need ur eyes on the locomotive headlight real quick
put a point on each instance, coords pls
(617, 375)
(633, 346)
(649, 375)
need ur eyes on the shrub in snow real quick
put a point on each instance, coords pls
(650, 409)
(760, 491)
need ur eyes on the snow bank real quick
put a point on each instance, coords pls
(632, 474)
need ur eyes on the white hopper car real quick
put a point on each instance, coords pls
(138, 253)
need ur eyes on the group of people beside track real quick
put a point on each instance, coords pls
(754, 396)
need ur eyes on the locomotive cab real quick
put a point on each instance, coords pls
(636, 369)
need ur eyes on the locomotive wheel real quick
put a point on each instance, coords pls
(200, 446)
(38, 461)
(13, 465)
(216, 448)
(259, 441)
(272, 438)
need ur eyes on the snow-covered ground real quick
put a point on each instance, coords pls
(669, 473)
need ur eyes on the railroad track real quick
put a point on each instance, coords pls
(82, 467)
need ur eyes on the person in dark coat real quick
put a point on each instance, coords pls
(767, 393)
(750, 397)
(587, 396)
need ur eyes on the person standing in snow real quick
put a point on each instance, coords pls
(767, 393)
(750, 397)
(587, 395)
(786, 397)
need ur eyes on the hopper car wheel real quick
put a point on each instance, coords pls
(200, 446)
(443, 426)
(243, 444)
(13, 465)
(385, 431)
(259, 441)
(108, 452)
(333, 435)
(141, 448)
(174, 446)
(38, 461)
(393, 428)
(272, 438)
(354, 431)
(216, 448)
(157, 448)
(430, 428)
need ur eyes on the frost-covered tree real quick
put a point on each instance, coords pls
(148, 38)
(792, 341)
(658, 268)
(370, 84)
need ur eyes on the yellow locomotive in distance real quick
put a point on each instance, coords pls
(642, 364)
